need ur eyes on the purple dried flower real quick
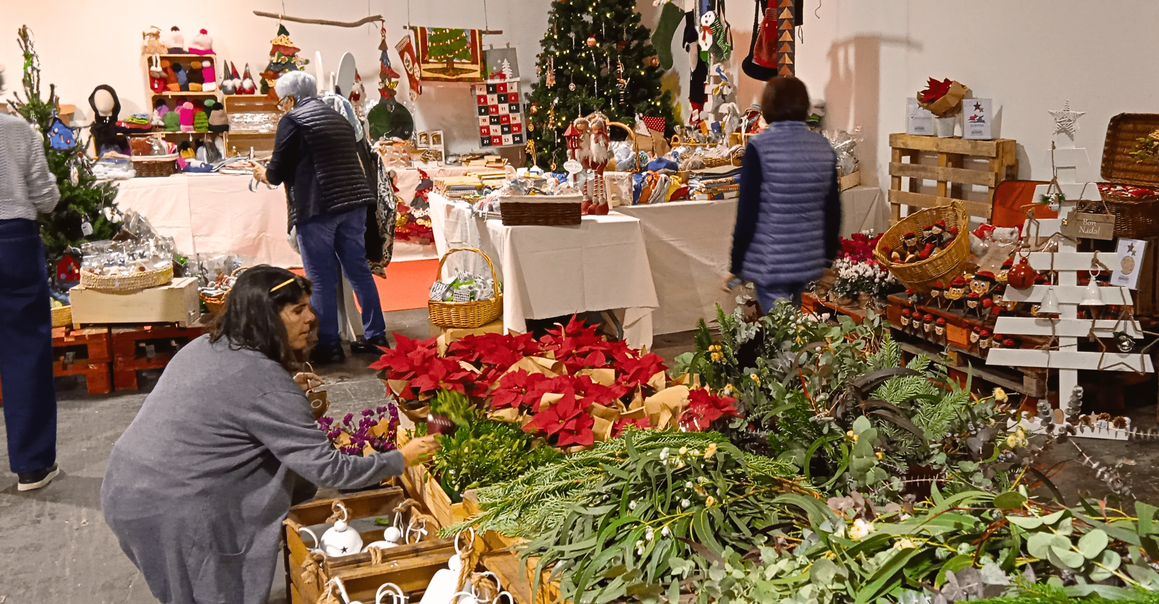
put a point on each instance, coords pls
(367, 412)
(334, 433)
(349, 418)
(382, 410)
(325, 421)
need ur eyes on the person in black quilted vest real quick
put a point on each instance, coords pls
(789, 210)
(330, 181)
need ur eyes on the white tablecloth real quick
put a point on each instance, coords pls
(689, 245)
(214, 214)
(556, 271)
(863, 209)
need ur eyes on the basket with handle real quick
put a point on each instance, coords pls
(944, 264)
(215, 303)
(127, 283)
(466, 315)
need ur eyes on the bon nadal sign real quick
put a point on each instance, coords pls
(1089, 225)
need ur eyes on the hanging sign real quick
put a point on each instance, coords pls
(1085, 224)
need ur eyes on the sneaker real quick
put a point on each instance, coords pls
(370, 345)
(327, 355)
(37, 480)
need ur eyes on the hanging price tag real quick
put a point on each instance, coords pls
(86, 227)
(573, 167)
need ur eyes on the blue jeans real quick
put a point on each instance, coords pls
(326, 242)
(768, 296)
(26, 349)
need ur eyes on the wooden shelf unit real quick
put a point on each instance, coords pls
(950, 173)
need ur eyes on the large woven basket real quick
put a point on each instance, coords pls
(62, 316)
(154, 166)
(1134, 218)
(1123, 134)
(541, 210)
(466, 315)
(126, 284)
(944, 264)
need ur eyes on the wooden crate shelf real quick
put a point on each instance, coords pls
(146, 347)
(950, 173)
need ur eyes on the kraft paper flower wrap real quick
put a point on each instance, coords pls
(944, 98)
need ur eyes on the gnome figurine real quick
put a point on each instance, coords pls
(247, 83)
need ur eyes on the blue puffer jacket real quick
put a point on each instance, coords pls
(789, 210)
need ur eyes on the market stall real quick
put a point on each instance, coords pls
(551, 272)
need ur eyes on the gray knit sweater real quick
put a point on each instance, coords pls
(26, 184)
(198, 485)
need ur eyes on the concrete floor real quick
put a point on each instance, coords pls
(55, 546)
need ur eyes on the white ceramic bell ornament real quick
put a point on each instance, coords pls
(391, 536)
(340, 539)
(443, 586)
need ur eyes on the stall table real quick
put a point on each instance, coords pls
(546, 272)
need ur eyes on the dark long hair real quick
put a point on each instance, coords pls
(251, 317)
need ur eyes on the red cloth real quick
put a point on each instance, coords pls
(1010, 196)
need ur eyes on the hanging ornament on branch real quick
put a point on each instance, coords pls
(621, 81)
(592, 41)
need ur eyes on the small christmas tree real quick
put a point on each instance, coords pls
(583, 50)
(448, 45)
(87, 208)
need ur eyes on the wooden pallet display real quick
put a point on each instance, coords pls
(950, 173)
(84, 352)
(1067, 327)
(146, 347)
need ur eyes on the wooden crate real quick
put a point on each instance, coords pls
(813, 304)
(261, 143)
(177, 302)
(421, 485)
(853, 179)
(950, 173)
(146, 347)
(411, 567)
(83, 352)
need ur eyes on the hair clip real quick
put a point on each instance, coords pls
(283, 284)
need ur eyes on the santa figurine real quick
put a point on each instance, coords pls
(938, 235)
(910, 241)
(593, 153)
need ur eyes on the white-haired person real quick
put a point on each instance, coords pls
(329, 182)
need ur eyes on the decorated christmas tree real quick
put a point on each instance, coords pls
(448, 45)
(87, 210)
(587, 45)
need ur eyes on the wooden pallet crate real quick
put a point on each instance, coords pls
(146, 347)
(84, 352)
(950, 173)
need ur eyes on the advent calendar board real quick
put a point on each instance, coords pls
(500, 114)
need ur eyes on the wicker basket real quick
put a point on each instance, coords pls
(127, 284)
(1123, 134)
(541, 210)
(1134, 218)
(62, 316)
(467, 315)
(154, 166)
(215, 303)
(944, 265)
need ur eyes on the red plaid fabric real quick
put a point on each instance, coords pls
(654, 123)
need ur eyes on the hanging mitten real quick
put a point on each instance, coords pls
(195, 77)
(172, 121)
(666, 30)
(722, 45)
(208, 76)
(182, 76)
(185, 114)
(170, 77)
(689, 41)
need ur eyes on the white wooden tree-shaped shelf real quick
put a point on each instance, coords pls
(1067, 328)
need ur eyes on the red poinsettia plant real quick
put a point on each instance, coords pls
(418, 365)
(704, 408)
(520, 390)
(943, 97)
(859, 247)
(566, 421)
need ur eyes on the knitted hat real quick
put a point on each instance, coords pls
(202, 44)
(174, 41)
(940, 222)
(985, 276)
(939, 285)
(908, 234)
(958, 281)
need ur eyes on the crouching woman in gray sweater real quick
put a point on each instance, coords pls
(198, 485)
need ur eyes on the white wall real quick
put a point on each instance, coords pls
(867, 57)
(864, 57)
(85, 43)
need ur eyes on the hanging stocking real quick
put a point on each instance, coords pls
(691, 29)
(666, 30)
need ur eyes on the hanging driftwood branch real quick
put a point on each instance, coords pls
(362, 21)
